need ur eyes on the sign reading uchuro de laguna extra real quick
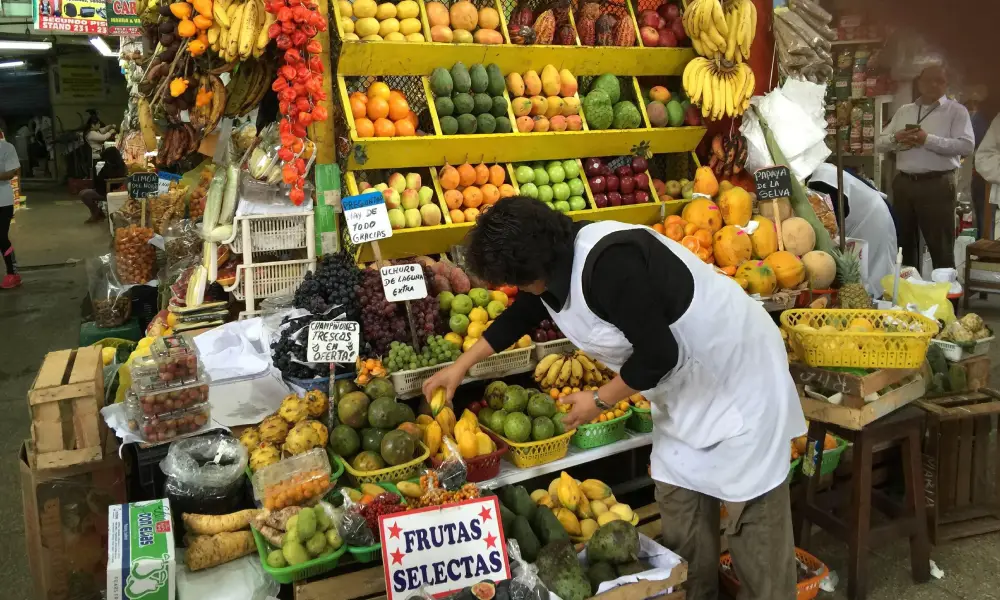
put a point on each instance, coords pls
(443, 549)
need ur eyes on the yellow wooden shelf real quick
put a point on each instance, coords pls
(412, 58)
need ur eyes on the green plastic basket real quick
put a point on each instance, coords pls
(601, 434)
(367, 554)
(831, 458)
(793, 468)
(311, 568)
(641, 420)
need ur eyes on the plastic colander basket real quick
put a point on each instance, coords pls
(532, 454)
(367, 554)
(899, 339)
(601, 434)
(503, 363)
(807, 589)
(641, 420)
(407, 382)
(291, 574)
(386, 475)
(482, 468)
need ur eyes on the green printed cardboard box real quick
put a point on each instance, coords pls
(141, 561)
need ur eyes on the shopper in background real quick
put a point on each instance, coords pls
(96, 135)
(10, 166)
(724, 405)
(988, 160)
(113, 168)
(929, 137)
(980, 123)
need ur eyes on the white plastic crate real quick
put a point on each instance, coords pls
(517, 360)
(272, 233)
(543, 349)
(957, 352)
(407, 382)
(255, 282)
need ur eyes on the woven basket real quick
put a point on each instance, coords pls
(806, 589)
(831, 458)
(601, 434)
(485, 467)
(407, 382)
(386, 475)
(641, 420)
(532, 454)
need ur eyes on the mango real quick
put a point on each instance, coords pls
(567, 84)
(571, 106)
(607, 518)
(595, 489)
(622, 510)
(515, 85)
(551, 82)
(371, 489)
(555, 105)
(532, 84)
(539, 105)
(598, 508)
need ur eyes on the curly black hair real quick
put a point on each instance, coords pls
(517, 241)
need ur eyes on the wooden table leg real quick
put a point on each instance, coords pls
(801, 524)
(860, 519)
(966, 281)
(920, 545)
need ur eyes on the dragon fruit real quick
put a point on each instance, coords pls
(321, 431)
(273, 429)
(263, 455)
(250, 438)
(302, 438)
(293, 409)
(317, 403)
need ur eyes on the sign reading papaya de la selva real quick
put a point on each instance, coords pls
(122, 18)
(443, 549)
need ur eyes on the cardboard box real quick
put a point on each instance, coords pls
(141, 559)
(65, 523)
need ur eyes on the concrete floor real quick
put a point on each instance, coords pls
(44, 315)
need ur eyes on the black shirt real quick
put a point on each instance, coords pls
(631, 280)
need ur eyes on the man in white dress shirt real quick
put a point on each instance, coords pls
(929, 137)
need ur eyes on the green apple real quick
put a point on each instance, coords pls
(524, 174)
(556, 173)
(562, 206)
(538, 165)
(426, 195)
(560, 191)
(575, 187)
(550, 205)
(572, 169)
(545, 193)
(541, 177)
(529, 189)
(577, 203)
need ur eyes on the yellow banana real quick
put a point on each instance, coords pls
(213, 34)
(543, 365)
(220, 15)
(696, 43)
(262, 38)
(705, 15)
(719, 18)
(564, 372)
(708, 44)
(553, 372)
(741, 82)
(248, 30)
(577, 367)
(731, 40)
(717, 39)
(706, 94)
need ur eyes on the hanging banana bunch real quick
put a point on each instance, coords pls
(721, 28)
(721, 88)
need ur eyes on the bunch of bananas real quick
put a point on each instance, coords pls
(240, 29)
(720, 90)
(570, 370)
(721, 28)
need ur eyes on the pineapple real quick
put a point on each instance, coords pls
(852, 291)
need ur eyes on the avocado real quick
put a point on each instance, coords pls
(497, 84)
(467, 124)
(547, 526)
(445, 107)
(463, 104)
(506, 517)
(482, 103)
(479, 79)
(516, 498)
(526, 540)
(449, 126)
(486, 123)
(499, 106)
(503, 125)
(461, 82)
(441, 83)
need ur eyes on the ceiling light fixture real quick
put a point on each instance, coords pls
(103, 47)
(11, 64)
(24, 45)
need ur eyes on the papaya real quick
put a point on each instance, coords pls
(765, 238)
(759, 277)
(736, 206)
(705, 182)
(731, 246)
(704, 214)
(788, 269)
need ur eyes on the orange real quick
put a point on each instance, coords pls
(456, 215)
(365, 127)
(404, 128)
(704, 238)
(554, 393)
(379, 90)
(675, 219)
(378, 108)
(453, 199)
(691, 243)
(384, 128)
(490, 194)
(412, 118)
(398, 108)
(358, 108)
(674, 231)
(689, 229)
(360, 96)
(507, 190)
(471, 214)
(658, 228)
(396, 94)
(472, 197)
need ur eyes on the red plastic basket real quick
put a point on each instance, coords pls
(807, 588)
(482, 467)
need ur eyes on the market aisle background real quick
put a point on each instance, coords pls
(44, 315)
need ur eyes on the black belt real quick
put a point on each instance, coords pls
(925, 176)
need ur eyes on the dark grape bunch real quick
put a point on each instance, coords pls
(426, 314)
(286, 347)
(336, 281)
(382, 322)
(437, 350)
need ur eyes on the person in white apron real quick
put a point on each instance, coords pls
(709, 359)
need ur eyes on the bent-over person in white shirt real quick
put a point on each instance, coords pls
(929, 137)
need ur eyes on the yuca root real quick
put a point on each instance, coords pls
(213, 524)
(213, 550)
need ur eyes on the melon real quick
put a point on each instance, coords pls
(704, 213)
(731, 246)
(765, 239)
(820, 269)
(798, 235)
(760, 278)
(788, 269)
(784, 208)
(736, 206)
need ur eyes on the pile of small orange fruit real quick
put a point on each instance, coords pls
(367, 369)
(468, 190)
(296, 489)
(696, 239)
(612, 413)
(382, 112)
(558, 394)
(639, 401)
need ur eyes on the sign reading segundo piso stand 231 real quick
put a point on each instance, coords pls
(443, 548)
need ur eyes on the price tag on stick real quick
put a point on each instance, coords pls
(404, 282)
(333, 342)
(143, 185)
(367, 218)
(773, 182)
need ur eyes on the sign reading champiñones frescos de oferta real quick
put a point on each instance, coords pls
(443, 549)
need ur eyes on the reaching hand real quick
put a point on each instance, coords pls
(449, 378)
(583, 411)
(918, 137)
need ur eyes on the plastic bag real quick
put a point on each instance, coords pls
(925, 295)
(181, 242)
(817, 25)
(240, 579)
(453, 472)
(353, 527)
(135, 257)
(525, 584)
(205, 474)
(167, 208)
(813, 9)
(799, 26)
(112, 304)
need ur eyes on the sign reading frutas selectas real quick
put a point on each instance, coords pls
(367, 219)
(773, 182)
(404, 282)
(443, 548)
(333, 342)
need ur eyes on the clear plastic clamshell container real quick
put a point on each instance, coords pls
(166, 400)
(149, 376)
(176, 353)
(294, 480)
(167, 426)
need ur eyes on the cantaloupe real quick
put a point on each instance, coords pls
(798, 235)
(705, 182)
(760, 278)
(704, 213)
(736, 206)
(820, 269)
(765, 238)
(784, 208)
(788, 269)
(731, 246)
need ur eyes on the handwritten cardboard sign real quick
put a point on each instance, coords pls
(143, 185)
(443, 548)
(404, 282)
(367, 218)
(773, 182)
(333, 342)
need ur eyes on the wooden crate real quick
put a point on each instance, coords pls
(854, 413)
(977, 375)
(65, 402)
(962, 465)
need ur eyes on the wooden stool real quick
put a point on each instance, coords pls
(909, 520)
(985, 251)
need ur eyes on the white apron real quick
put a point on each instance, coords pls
(724, 416)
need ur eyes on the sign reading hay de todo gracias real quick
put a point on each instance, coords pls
(443, 549)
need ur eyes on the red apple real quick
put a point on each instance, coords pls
(641, 181)
(614, 199)
(597, 184)
(639, 164)
(627, 184)
(641, 197)
(661, 22)
(692, 117)
(601, 200)
(648, 18)
(612, 183)
(667, 39)
(628, 199)
(678, 28)
(650, 37)
(592, 166)
(606, 170)
(671, 12)
(624, 171)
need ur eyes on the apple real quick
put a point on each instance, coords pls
(430, 214)
(598, 184)
(623, 171)
(397, 220)
(426, 195)
(639, 163)
(575, 187)
(614, 199)
(641, 181)
(606, 170)
(648, 18)
(577, 203)
(364, 186)
(667, 38)
(627, 184)
(601, 200)
(409, 199)
(524, 174)
(660, 23)
(592, 166)
(413, 217)
(413, 181)
(397, 182)
(678, 28)
(545, 193)
(669, 11)
(692, 116)
(611, 182)
(560, 191)
(628, 198)
(391, 197)
(571, 168)
(556, 173)
(650, 37)
(541, 177)
(641, 197)
(530, 190)
(381, 187)
(561, 205)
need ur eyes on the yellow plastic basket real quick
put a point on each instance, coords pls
(532, 454)
(898, 339)
(408, 470)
